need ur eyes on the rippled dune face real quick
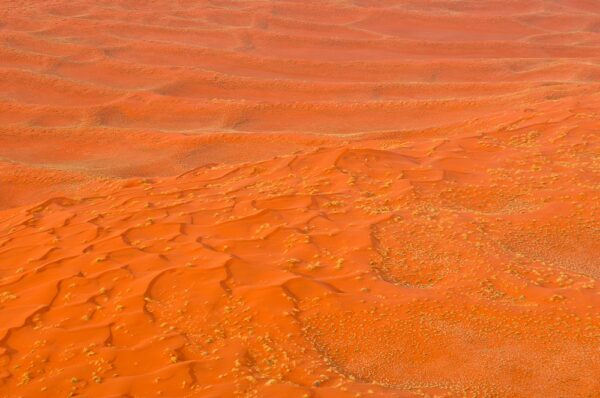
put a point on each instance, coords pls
(359, 198)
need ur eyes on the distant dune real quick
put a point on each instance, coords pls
(353, 198)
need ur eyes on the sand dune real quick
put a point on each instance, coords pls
(217, 198)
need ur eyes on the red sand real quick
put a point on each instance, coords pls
(300, 199)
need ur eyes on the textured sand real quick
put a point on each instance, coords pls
(300, 198)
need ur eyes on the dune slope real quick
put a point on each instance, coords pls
(389, 269)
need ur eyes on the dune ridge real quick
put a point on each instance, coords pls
(211, 68)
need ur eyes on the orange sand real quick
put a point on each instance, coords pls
(361, 198)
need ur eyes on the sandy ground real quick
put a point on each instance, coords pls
(392, 198)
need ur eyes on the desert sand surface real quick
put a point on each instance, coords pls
(352, 198)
